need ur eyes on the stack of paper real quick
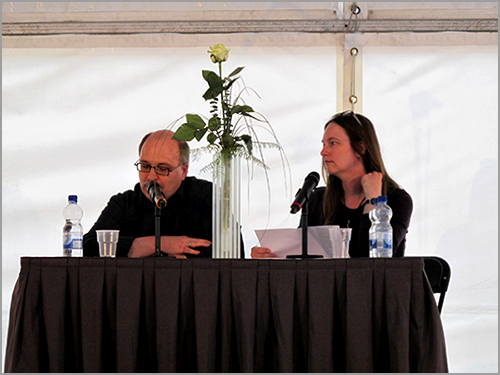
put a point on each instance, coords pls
(323, 240)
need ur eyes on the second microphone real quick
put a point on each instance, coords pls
(303, 194)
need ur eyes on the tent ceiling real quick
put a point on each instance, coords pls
(59, 18)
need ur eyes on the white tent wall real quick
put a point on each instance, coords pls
(74, 108)
(435, 108)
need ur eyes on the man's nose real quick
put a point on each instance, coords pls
(152, 174)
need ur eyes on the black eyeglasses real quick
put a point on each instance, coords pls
(347, 114)
(160, 169)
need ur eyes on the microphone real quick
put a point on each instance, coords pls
(156, 195)
(303, 194)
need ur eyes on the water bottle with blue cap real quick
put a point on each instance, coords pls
(73, 230)
(381, 231)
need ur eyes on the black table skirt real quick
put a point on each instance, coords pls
(207, 315)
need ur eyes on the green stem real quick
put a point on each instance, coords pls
(226, 193)
(226, 167)
(224, 119)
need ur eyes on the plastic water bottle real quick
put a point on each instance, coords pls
(381, 230)
(73, 230)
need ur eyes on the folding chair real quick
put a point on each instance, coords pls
(438, 273)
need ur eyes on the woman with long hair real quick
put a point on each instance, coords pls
(355, 174)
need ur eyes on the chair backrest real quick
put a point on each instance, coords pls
(438, 273)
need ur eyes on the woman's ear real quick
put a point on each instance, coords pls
(362, 147)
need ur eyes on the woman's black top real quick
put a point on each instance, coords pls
(399, 201)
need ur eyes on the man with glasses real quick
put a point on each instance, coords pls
(186, 221)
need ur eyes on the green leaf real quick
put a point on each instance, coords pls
(214, 106)
(212, 93)
(248, 142)
(195, 121)
(249, 115)
(212, 78)
(214, 123)
(200, 133)
(231, 81)
(211, 138)
(243, 109)
(236, 71)
(184, 133)
(215, 84)
(227, 140)
(209, 94)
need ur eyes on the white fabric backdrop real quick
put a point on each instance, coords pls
(72, 119)
(436, 111)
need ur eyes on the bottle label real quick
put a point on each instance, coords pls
(72, 243)
(387, 241)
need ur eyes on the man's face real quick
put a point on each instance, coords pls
(162, 151)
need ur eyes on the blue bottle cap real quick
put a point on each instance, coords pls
(73, 198)
(382, 199)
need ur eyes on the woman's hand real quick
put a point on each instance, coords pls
(262, 252)
(372, 185)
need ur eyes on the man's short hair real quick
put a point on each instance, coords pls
(183, 148)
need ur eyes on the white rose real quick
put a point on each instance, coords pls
(218, 53)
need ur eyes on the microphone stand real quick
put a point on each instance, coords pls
(303, 221)
(160, 203)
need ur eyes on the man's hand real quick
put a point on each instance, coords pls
(172, 245)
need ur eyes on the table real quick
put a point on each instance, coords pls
(211, 315)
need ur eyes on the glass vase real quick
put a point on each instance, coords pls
(226, 231)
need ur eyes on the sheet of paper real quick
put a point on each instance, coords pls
(323, 240)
